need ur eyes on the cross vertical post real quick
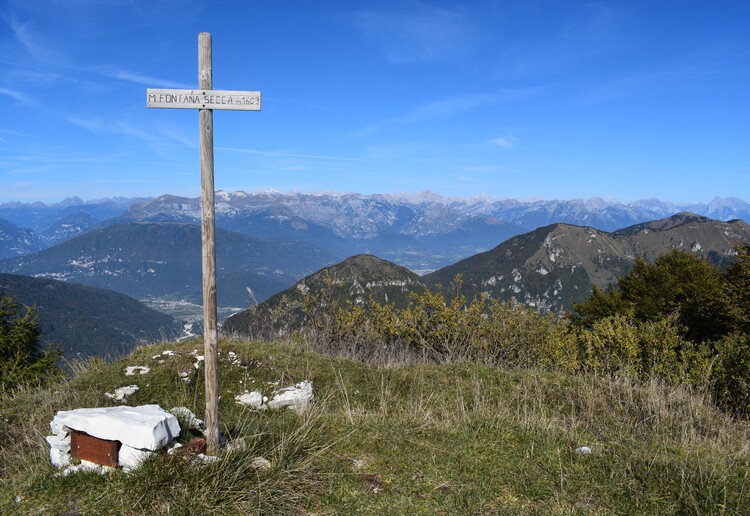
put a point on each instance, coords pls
(208, 247)
(205, 99)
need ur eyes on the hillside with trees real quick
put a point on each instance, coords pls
(83, 320)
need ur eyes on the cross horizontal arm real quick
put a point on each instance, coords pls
(203, 99)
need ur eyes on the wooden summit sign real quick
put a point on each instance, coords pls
(205, 99)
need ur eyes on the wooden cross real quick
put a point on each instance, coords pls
(206, 99)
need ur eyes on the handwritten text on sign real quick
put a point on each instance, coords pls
(203, 99)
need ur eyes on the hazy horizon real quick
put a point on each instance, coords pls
(397, 195)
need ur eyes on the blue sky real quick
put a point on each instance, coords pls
(523, 99)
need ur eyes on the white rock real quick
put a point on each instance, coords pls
(173, 447)
(250, 399)
(296, 398)
(132, 370)
(583, 450)
(207, 459)
(187, 417)
(260, 464)
(359, 463)
(121, 393)
(147, 427)
(236, 444)
(86, 466)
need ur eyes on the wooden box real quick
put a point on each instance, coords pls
(99, 451)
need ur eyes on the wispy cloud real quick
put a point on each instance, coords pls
(36, 76)
(571, 35)
(505, 142)
(596, 28)
(137, 132)
(481, 169)
(16, 133)
(158, 135)
(288, 155)
(722, 58)
(47, 54)
(638, 81)
(421, 34)
(91, 124)
(16, 95)
(33, 43)
(451, 106)
(115, 72)
(58, 159)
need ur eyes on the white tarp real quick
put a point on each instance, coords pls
(147, 427)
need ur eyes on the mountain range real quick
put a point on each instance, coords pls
(555, 266)
(550, 268)
(423, 232)
(266, 241)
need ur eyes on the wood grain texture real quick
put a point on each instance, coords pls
(206, 99)
(208, 234)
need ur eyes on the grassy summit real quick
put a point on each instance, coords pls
(405, 438)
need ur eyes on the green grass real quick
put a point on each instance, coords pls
(403, 439)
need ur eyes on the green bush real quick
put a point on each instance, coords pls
(730, 375)
(642, 350)
(738, 277)
(443, 328)
(610, 346)
(515, 335)
(676, 283)
(22, 361)
(454, 329)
